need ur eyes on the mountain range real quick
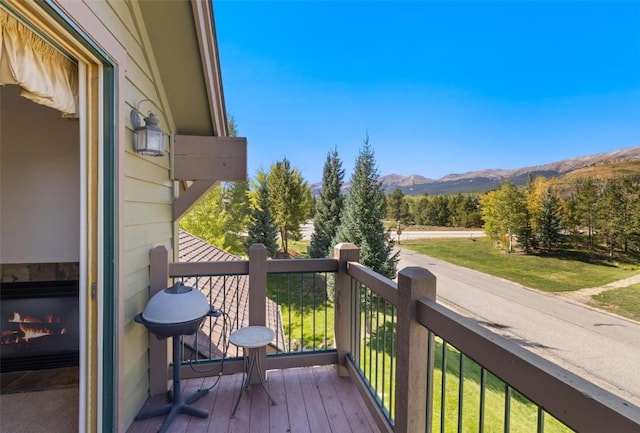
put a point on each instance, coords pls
(480, 181)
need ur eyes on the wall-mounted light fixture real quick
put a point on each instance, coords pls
(148, 138)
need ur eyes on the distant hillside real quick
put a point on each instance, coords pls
(612, 164)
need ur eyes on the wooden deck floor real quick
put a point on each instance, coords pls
(309, 400)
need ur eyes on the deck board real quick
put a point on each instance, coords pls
(316, 414)
(279, 416)
(259, 410)
(298, 420)
(221, 406)
(358, 416)
(330, 400)
(309, 400)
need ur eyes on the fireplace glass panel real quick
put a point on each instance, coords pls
(40, 325)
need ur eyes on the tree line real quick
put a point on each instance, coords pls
(455, 210)
(540, 215)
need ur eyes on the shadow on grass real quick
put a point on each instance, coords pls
(598, 255)
(302, 292)
(589, 257)
(382, 337)
(305, 309)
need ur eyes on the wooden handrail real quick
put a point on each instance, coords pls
(241, 267)
(302, 265)
(381, 285)
(578, 403)
(207, 269)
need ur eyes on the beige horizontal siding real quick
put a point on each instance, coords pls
(147, 192)
(138, 261)
(145, 213)
(137, 167)
(146, 234)
(137, 190)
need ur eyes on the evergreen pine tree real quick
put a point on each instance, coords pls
(362, 219)
(262, 229)
(328, 207)
(610, 219)
(586, 200)
(550, 220)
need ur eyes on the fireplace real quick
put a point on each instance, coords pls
(40, 325)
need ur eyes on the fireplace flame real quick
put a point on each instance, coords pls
(17, 318)
(34, 332)
(30, 328)
(52, 319)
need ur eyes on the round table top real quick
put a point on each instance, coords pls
(251, 336)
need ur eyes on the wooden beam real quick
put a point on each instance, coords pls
(190, 197)
(158, 349)
(344, 253)
(210, 158)
(412, 339)
(258, 301)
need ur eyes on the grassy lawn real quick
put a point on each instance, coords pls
(624, 301)
(307, 314)
(376, 359)
(550, 272)
(298, 249)
(522, 414)
(379, 368)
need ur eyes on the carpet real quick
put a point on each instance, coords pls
(50, 411)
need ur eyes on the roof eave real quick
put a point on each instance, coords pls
(182, 36)
(208, 42)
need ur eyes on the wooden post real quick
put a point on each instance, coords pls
(258, 298)
(344, 252)
(411, 351)
(158, 349)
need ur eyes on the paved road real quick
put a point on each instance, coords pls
(427, 234)
(601, 347)
(307, 228)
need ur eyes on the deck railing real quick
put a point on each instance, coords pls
(414, 360)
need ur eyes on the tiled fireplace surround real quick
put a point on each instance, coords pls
(26, 273)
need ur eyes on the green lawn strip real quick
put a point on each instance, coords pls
(522, 412)
(377, 349)
(307, 315)
(557, 272)
(299, 248)
(623, 301)
(377, 362)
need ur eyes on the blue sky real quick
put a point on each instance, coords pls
(439, 86)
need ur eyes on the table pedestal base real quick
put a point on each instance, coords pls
(251, 362)
(251, 339)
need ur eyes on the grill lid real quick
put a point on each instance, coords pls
(175, 305)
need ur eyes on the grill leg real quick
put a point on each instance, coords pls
(178, 405)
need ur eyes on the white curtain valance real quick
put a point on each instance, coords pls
(45, 75)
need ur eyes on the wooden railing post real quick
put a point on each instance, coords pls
(344, 252)
(158, 349)
(258, 298)
(412, 396)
